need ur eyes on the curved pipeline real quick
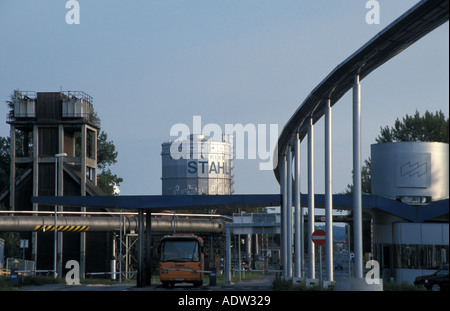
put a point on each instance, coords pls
(421, 19)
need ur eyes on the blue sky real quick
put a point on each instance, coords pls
(152, 64)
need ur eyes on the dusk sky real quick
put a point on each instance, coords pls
(152, 64)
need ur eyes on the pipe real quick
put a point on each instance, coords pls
(82, 224)
(311, 252)
(328, 195)
(289, 212)
(357, 192)
(298, 256)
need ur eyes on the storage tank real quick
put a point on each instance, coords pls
(197, 166)
(413, 172)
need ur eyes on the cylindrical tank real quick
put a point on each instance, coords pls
(412, 172)
(200, 166)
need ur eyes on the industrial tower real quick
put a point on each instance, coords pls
(53, 152)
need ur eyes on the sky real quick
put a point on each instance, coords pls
(150, 64)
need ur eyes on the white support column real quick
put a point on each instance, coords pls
(328, 195)
(289, 211)
(283, 189)
(311, 251)
(357, 193)
(298, 258)
(228, 254)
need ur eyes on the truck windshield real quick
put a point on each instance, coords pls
(180, 250)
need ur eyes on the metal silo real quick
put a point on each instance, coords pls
(201, 166)
(412, 172)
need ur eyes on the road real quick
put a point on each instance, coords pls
(263, 283)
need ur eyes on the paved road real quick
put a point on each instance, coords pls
(263, 283)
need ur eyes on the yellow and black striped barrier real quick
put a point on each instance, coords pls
(44, 228)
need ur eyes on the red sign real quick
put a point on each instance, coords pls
(318, 237)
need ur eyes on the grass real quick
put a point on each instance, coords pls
(6, 284)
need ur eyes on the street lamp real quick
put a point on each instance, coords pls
(55, 257)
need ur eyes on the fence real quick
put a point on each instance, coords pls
(21, 266)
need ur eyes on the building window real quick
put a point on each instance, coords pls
(415, 256)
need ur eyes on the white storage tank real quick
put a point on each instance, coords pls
(413, 172)
(197, 166)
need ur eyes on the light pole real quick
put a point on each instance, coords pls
(55, 255)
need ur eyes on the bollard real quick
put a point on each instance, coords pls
(14, 277)
(213, 278)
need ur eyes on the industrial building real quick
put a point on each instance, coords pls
(415, 173)
(54, 152)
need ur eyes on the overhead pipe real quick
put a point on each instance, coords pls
(81, 224)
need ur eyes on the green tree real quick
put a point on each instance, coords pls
(366, 184)
(4, 163)
(106, 157)
(12, 241)
(429, 127)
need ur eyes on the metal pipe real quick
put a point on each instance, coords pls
(228, 255)
(328, 195)
(297, 220)
(289, 212)
(283, 189)
(55, 238)
(148, 253)
(357, 193)
(311, 252)
(141, 274)
(82, 224)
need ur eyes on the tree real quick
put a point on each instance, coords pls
(4, 163)
(366, 185)
(429, 127)
(106, 156)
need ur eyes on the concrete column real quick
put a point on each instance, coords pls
(289, 211)
(328, 196)
(357, 193)
(298, 258)
(311, 251)
(283, 188)
(248, 248)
